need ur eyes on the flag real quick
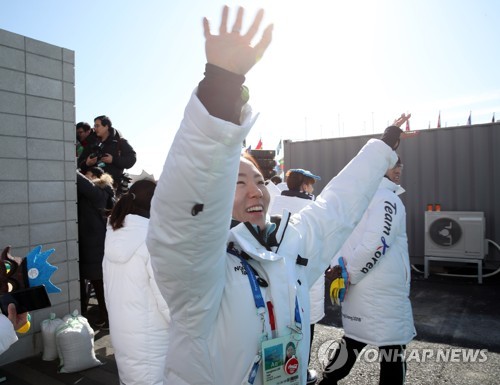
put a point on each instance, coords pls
(469, 119)
(439, 120)
(278, 147)
(493, 118)
(259, 145)
(407, 125)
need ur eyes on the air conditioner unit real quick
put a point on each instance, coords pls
(455, 234)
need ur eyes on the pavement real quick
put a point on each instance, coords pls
(457, 342)
(458, 333)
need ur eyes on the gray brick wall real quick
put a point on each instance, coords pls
(37, 168)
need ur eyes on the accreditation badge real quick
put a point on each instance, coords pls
(281, 365)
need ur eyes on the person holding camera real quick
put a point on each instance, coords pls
(112, 152)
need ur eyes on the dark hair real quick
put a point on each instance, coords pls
(97, 171)
(105, 120)
(137, 201)
(276, 179)
(247, 156)
(294, 180)
(86, 127)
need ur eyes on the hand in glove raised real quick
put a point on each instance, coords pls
(340, 282)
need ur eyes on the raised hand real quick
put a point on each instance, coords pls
(392, 133)
(401, 120)
(231, 50)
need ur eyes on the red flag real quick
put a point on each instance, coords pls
(259, 145)
(439, 120)
(407, 125)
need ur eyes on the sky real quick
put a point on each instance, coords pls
(334, 68)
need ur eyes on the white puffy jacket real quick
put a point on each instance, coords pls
(377, 308)
(215, 330)
(7, 333)
(138, 314)
(317, 291)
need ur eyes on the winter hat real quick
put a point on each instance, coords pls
(305, 173)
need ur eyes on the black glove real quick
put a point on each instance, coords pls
(391, 136)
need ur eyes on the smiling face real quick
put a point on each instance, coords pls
(394, 174)
(251, 199)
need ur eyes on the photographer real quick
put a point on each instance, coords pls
(85, 137)
(112, 153)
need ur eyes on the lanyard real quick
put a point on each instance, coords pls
(254, 285)
(261, 310)
(259, 299)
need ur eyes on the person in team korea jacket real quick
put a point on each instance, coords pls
(376, 309)
(232, 293)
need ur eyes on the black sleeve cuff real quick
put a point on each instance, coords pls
(221, 93)
(391, 136)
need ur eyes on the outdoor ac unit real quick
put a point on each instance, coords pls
(455, 234)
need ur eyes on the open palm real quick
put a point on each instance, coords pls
(231, 50)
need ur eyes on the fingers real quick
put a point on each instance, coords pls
(402, 119)
(239, 21)
(223, 22)
(12, 312)
(206, 28)
(255, 25)
(264, 42)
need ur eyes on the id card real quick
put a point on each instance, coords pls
(280, 363)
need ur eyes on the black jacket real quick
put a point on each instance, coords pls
(298, 194)
(93, 199)
(124, 156)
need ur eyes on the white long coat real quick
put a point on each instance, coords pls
(138, 314)
(215, 330)
(377, 308)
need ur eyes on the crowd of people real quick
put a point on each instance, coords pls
(205, 277)
(103, 155)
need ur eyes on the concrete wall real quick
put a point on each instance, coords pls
(37, 168)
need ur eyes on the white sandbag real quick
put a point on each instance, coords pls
(75, 344)
(49, 327)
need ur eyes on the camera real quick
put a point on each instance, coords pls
(97, 151)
